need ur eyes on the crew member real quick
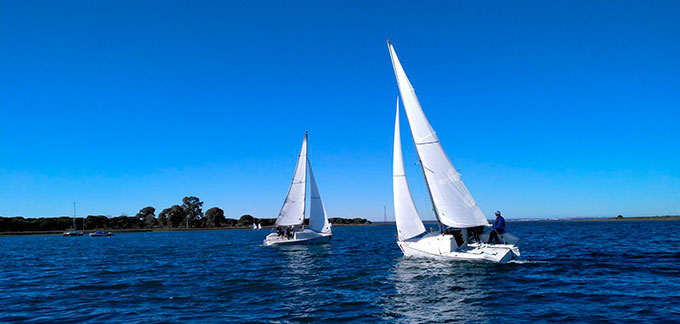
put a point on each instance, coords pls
(498, 228)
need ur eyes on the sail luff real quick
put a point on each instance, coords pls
(293, 210)
(318, 220)
(452, 201)
(406, 215)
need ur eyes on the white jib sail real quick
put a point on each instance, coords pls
(453, 203)
(293, 210)
(318, 221)
(406, 215)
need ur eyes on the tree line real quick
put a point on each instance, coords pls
(187, 215)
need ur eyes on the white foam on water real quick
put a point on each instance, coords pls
(527, 261)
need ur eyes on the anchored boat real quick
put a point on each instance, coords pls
(73, 231)
(290, 224)
(460, 219)
(101, 234)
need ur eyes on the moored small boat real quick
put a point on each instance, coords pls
(73, 230)
(100, 234)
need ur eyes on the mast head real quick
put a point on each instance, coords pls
(388, 41)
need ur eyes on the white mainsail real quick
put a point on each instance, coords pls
(453, 204)
(293, 211)
(406, 215)
(318, 221)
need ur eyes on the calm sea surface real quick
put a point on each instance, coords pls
(572, 272)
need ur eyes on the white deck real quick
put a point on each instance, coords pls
(437, 246)
(306, 236)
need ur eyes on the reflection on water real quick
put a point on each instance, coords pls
(297, 282)
(434, 290)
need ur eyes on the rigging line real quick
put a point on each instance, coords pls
(423, 195)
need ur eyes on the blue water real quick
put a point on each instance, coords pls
(572, 272)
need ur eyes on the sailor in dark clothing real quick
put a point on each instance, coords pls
(498, 228)
(279, 231)
(473, 233)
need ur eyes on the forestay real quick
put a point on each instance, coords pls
(318, 221)
(454, 206)
(293, 210)
(406, 215)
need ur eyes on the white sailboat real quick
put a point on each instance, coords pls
(453, 204)
(73, 231)
(259, 226)
(291, 219)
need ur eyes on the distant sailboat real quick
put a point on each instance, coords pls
(259, 226)
(254, 226)
(291, 219)
(453, 204)
(73, 231)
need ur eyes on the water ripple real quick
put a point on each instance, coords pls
(568, 273)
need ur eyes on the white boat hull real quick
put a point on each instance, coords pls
(303, 237)
(437, 246)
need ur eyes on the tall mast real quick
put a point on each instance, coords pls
(304, 205)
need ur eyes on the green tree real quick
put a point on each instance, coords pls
(246, 220)
(192, 210)
(146, 216)
(214, 217)
(173, 216)
(123, 222)
(163, 218)
(97, 221)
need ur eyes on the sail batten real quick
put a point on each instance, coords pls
(452, 201)
(406, 215)
(293, 210)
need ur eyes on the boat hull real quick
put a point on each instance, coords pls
(303, 237)
(444, 247)
(101, 234)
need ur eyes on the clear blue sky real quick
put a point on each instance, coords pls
(547, 108)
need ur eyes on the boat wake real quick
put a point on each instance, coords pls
(528, 261)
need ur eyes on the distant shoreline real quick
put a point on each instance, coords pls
(141, 230)
(615, 219)
(584, 219)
